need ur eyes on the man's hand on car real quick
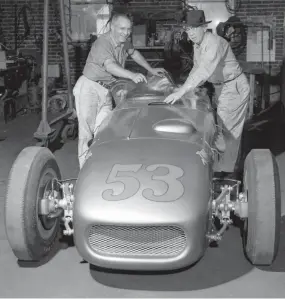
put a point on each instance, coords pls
(137, 78)
(160, 72)
(174, 97)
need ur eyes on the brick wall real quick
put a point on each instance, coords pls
(36, 26)
(260, 8)
(149, 5)
(248, 8)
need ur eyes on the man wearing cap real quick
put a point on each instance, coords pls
(105, 63)
(215, 62)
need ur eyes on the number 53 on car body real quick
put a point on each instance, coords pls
(127, 180)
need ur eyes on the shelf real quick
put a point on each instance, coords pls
(150, 48)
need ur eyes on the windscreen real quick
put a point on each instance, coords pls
(156, 90)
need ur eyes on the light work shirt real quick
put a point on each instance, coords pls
(105, 49)
(214, 61)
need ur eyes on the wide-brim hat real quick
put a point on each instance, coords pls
(196, 18)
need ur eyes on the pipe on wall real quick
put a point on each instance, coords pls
(65, 53)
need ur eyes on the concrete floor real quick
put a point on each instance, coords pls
(223, 272)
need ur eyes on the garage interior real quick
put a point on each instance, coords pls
(256, 32)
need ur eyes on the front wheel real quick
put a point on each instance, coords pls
(261, 232)
(33, 176)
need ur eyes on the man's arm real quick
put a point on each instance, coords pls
(202, 72)
(116, 70)
(102, 54)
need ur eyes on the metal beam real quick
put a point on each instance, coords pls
(45, 61)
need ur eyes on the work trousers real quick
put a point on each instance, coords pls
(232, 100)
(93, 104)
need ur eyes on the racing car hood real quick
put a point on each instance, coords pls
(142, 113)
(157, 121)
(143, 181)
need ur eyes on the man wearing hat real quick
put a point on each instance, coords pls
(215, 62)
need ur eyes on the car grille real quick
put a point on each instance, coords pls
(137, 241)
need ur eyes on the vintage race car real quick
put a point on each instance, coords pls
(147, 197)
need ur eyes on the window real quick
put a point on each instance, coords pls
(84, 18)
(102, 19)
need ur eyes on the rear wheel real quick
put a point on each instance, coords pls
(33, 177)
(261, 230)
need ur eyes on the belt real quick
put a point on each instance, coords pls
(103, 84)
(221, 83)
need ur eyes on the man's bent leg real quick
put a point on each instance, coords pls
(103, 112)
(86, 101)
(232, 111)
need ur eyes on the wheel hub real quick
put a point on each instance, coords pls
(230, 200)
(52, 206)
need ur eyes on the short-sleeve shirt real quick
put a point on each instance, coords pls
(214, 61)
(103, 49)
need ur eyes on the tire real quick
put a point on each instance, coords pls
(122, 84)
(70, 131)
(31, 237)
(261, 232)
(57, 103)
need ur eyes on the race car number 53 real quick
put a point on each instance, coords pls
(127, 180)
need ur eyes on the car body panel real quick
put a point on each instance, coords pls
(144, 184)
(184, 201)
(140, 122)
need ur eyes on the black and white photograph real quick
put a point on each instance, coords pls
(142, 148)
